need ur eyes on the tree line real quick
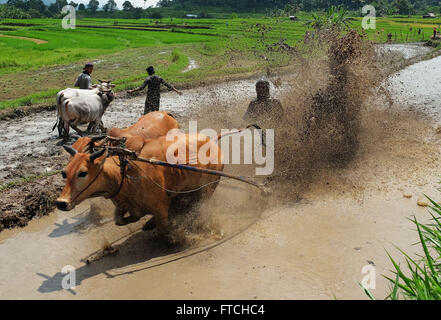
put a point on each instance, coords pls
(383, 7)
(26, 9)
(22, 9)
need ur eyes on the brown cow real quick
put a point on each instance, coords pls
(147, 189)
(152, 125)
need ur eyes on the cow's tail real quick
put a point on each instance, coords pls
(262, 134)
(56, 123)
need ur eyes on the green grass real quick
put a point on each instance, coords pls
(212, 42)
(65, 46)
(420, 279)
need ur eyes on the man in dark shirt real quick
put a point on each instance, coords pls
(84, 80)
(154, 90)
(264, 109)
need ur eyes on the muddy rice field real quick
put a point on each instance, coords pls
(311, 244)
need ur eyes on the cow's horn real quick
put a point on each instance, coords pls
(96, 155)
(98, 138)
(101, 81)
(70, 150)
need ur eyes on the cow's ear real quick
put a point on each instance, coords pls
(100, 93)
(112, 86)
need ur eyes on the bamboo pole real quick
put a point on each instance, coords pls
(131, 155)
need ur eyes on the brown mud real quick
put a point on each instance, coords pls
(20, 204)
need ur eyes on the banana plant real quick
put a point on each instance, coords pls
(334, 18)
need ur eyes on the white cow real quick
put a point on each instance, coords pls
(76, 106)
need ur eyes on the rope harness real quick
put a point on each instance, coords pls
(88, 186)
(123, 171)
(125, 155)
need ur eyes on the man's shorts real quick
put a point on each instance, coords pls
(151, 106)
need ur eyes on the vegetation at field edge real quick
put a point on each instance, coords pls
(420, 279)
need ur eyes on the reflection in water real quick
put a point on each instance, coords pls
(139, 248)
(86, 220)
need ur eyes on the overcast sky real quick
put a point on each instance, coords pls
(136, 3)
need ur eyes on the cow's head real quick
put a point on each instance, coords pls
(84, 178)
(106, 91)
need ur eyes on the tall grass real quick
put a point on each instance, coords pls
(175, 55)
(422, 279)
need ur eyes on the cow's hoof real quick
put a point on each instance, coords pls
(150, 225)
(168, 241)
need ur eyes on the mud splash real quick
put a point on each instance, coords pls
(323, 107)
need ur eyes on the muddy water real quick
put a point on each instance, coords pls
(407, 51)
(192, 64)
(254, 247)
(419, 88)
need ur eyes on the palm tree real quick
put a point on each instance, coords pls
(334, 18)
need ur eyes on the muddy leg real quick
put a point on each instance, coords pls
(89, 127)
(93, 126)
(74, 126)
(161, 220)
(150, 225)
(119, 216)
(102, 128)
(120, 220)
(60, 127)
(66, 130)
